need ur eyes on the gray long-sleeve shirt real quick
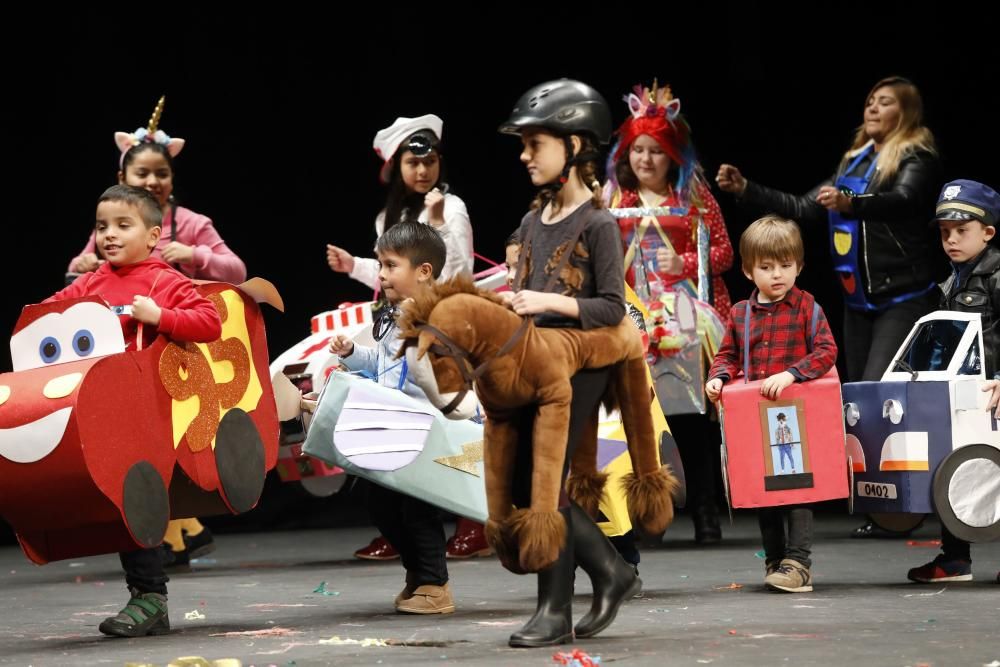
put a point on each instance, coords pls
(595, 275)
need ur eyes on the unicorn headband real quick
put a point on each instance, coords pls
(151, 134)
(649, 103)
(657, 113)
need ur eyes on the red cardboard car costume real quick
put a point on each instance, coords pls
(100, 446)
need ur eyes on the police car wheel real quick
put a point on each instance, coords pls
(967, 493)
(897, 522)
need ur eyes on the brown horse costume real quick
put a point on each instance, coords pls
(456, 334)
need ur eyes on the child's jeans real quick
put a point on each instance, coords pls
(798, 544)
(144, 570)
(415, 529)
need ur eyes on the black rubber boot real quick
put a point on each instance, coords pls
(706, 524)
(614, 580)
(552, 623)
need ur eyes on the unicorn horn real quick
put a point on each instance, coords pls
(652, 95)
(154, 120)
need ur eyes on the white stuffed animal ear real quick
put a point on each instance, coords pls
(124, 140)
(634, 105)
(685, 312)
(673, 108)
(175, 146)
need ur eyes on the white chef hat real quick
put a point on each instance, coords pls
(388, 141)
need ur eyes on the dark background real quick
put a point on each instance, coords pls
(279, 109)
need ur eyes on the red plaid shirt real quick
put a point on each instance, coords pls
(779, 334)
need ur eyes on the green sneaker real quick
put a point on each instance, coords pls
(144, 614)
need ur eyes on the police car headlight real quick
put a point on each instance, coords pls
(892, 410)
(851, 413)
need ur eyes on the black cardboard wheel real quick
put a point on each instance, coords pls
(145, 504)
(239, 455)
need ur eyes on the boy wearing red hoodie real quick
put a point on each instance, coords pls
(150, 299)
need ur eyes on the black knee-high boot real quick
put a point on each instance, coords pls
(614, 580)
(553, 620)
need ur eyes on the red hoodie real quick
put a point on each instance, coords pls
(186, 315)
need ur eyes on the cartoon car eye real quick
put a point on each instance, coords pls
(49, 350)
(83, 331)
(83, 342)
(893, 410)
(851, 413)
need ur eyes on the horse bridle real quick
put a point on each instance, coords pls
(449, 349)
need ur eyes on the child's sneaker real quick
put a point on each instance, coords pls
(790, 576)
(144, 614)
(941, 569)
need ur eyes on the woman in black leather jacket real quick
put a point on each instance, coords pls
(877, 206)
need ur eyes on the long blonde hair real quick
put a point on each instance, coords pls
(909, 136)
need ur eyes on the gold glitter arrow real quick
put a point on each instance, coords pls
(472, 453)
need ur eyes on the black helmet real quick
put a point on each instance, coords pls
(564, 107)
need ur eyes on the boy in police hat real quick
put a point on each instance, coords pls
(967, 214)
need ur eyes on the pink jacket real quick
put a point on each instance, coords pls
(213, 260)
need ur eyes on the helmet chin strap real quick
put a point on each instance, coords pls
(551, 190)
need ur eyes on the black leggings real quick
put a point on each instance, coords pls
(589, 386)
(416, 531)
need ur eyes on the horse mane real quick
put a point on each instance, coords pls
(418, 309)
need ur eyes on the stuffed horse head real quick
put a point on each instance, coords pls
(442, 364)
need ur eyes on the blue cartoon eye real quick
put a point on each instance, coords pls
(83, 342)
(49, 350)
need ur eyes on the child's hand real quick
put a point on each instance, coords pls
(993, 386)
(530, 302)
(669, 262)
(339, 259)
(507, 296)
(178, 253)
(713, 389)
(434, 203)
(774, 385)
(341, 345)
(146, 311)
(88, 262)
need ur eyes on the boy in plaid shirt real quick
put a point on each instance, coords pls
(781, 353)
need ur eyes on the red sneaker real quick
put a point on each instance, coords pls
(940, 569)
(468, 541)
(377, 549)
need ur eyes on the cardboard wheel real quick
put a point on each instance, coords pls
(323, 487)
(145, 504)
(239, 456)
(671, 455)
(966, 493)
(897, 522)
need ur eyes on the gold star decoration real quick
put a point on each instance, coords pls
(472, 453)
